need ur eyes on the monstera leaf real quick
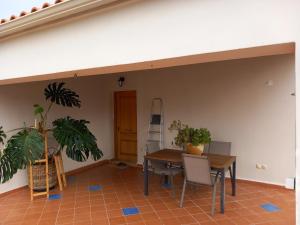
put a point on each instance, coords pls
(22, 148)
(60, 95)
(75, 137)
(8, 166)
(2, 136)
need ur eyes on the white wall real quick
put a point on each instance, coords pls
(149, 30)
(230, 98)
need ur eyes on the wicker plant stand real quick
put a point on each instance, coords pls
(46, 172)
(42, 175)
(39, 176)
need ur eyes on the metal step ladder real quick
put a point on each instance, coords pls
(156, 123)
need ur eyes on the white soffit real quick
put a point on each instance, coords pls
(259, 51)
(53, 14)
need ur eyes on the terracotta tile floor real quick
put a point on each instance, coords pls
(124, 188)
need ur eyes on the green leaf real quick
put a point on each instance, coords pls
(7, 167)
(29, 144)
(75, 137)
(22, 148)
(2, 135)
(38, 110)
(56, 93)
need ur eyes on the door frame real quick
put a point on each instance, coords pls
(115, 125)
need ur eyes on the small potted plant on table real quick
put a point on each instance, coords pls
(190, 139)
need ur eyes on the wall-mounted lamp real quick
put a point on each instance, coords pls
(121, 81)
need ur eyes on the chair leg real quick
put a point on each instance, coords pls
(183, 192)
(213, 206)
(172, 185)
(161, 180)
(230, 171)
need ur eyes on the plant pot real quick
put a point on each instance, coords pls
(39, 176)
(196, 150)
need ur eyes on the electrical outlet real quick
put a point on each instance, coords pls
(264, 166)
(258, 166)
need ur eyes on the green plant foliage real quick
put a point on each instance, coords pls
(29, 144)
(22, 148)
(186, 134)
(38, 110)
(7, 166)
(2, 135)
(177, 125)
(56, 93)
(74, 136)
(182, 137)
(199, 136)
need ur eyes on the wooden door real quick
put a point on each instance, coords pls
(125, 126)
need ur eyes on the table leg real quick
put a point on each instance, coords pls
(222, 205)
(145, 176)
(233, 179)
(166, 180)
(167, 177)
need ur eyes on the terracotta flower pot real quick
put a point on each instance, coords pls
(196, 150)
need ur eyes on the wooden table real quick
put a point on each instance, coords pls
(218, 162)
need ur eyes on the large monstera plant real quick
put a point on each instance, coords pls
(27, 145)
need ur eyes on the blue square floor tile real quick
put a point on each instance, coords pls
(95, 188)
(130, 211)
(54, 197)
(71, 179)
(270, 207)
(167, 185)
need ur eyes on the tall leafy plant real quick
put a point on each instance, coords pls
(27, 145)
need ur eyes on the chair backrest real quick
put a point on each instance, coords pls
(197, 169)
(152, 147)
(218, 147)
(206, 148)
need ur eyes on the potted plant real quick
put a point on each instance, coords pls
(27, 144)
(190, 139)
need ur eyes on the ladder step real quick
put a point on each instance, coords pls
(154, 131)
(40, 160)
(156, 119)
(153, 140)
(40, 193)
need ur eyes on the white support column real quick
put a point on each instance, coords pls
(297, 81)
